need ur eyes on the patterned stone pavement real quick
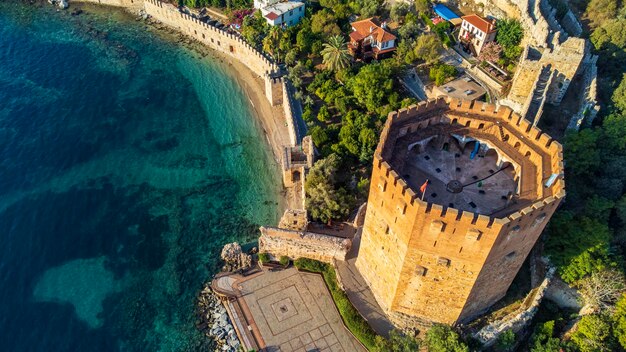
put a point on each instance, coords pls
(294, 312)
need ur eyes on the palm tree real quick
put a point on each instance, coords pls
(335, 54)
(271, 42)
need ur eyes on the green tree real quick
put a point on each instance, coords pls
(509, 36)
(600, 11)
(372, 85)
(324, 201)
(272, 41)
(324, 115)
(398, 342)
(325, 23)
(578, 245)
(610, 36)
(543, 340)
(305, 36)
(404, 52)
(428, 48)
(593, 334)
(398, 11)
(581, 152)
(408, 30)
(614, 131)
(619, 322)
(253, 28)
(440, 73)
(506, 341)
(422, 6)
(335, 54)
(619, 95)
(366, 8)
(441, 338)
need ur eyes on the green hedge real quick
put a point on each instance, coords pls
(351, 317)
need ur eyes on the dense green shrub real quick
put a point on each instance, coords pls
(284, 260)
(264, 257)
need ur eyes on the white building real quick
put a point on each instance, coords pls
(476, 32)
(280, 13)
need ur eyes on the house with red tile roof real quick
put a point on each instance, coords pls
(476, 31)
(369, 40)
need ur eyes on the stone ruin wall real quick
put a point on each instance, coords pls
(389, 267)
(519, 319)
(301, 244)
(213, 37)
(288, 106)
(558, 38)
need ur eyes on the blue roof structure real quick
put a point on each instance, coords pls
(444, 12)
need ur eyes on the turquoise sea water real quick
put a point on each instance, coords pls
(126, 162)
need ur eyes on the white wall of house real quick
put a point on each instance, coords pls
(480, 38)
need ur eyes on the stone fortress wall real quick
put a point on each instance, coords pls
(303, 244)
(213, 37)
(554, 56)
(451, 265)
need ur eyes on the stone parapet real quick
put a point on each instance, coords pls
(216, 38)
(301, 244)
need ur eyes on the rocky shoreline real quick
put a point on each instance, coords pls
(214, 322)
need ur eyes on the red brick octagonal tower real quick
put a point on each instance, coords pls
(448, 254)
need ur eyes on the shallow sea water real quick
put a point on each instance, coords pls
(126, 162)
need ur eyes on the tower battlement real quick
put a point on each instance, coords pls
(491, 181)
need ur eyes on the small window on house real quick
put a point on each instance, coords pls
(481, 126)
(386, 229)
(516, 228)
(511, 255)
(420, 271)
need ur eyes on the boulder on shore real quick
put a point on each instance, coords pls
(235, 258)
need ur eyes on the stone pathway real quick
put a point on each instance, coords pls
(359, 293)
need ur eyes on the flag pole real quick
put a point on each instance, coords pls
(424, 191)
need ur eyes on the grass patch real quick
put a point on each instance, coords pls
(351, 317)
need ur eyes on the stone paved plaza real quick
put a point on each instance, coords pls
(294, 311)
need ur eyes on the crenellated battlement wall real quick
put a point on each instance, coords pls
(215, 38)
(433, 262)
